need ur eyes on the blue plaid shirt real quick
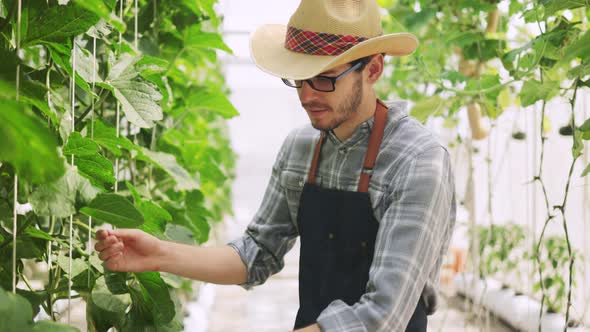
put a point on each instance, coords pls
(413, 196)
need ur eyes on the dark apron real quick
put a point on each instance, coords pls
(338, 232)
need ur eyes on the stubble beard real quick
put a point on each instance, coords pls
(346, 108)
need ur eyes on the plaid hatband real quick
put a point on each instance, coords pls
(319, 43)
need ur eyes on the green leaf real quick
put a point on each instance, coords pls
(553, 6)
(116, 282)
(167, 162)
(578, 145)
(586, 126)
(215, 101)
(427, 107)
(106, 136)
(194, 38)
(16, 313)
(99, 8)
(106, 310)
(51, 326)
(198, 215)
(97, 169)
(78, 265)
(533, 91)
(586, 171)
(22, 131)
(85, 66)
(578, 49)
(60, 54)
(80, 146)
(180, 234)
(58, 23)
(115, 210)
(489, 83)
(58, 198)
(138, 97)
(156, 297)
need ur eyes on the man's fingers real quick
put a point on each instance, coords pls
(101, 234)
(117, 248)
(125, 234)
(103, 244)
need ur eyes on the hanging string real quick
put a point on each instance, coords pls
(73, 99)
(15, 198)
(118, 103)
(89, 246)
(136, 24)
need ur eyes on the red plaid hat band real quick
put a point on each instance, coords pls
(319, 43)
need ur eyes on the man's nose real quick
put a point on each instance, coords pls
(306, 92)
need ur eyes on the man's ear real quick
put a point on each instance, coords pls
(375, 68)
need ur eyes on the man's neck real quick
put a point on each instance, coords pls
(365, 111)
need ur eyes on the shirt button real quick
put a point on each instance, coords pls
(363, 244)
(330, 236)
(342, 150)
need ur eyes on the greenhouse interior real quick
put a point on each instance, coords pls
(144, 143)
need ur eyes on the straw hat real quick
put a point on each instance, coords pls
(323, 34)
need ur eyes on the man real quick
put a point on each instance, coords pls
(368, 189)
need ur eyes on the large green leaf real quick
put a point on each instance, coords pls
(21, 131)
(58, 23)
(215, 101)
(105, 309)
(60, 54)
(553, 6)
(106, 136)
(97, 169)
(138, 97)
(80, 146)
(578, 49)
(99, 8)
(533, 91)
(194, 38)
(198, 215)
(167, 162)
(16, 313)
(115, 210)
(427, 107)
(156, 297)
(78, 265)
(58, 198)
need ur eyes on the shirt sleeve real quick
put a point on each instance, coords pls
(414, 230)
(271, 233)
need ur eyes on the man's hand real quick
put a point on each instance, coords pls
(310, 328)
(128, 250)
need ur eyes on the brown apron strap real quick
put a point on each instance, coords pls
(373, 148)
(316, 157)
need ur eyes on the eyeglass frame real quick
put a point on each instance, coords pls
(358, 64)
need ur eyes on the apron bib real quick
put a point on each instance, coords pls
(338, 231)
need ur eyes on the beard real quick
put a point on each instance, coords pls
(345, 109)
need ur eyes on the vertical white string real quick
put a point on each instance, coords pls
(89, 247)
(73, 99)
(118, 104)
(15, 197)
(136, 24)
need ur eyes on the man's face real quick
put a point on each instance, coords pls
(328, 110)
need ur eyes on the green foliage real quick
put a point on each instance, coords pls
(555, 266)
(500, 247)
(171, 148)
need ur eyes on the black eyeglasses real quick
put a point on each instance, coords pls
(322, 83)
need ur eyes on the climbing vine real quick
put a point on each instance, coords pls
(487, 56)
(113, 115)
